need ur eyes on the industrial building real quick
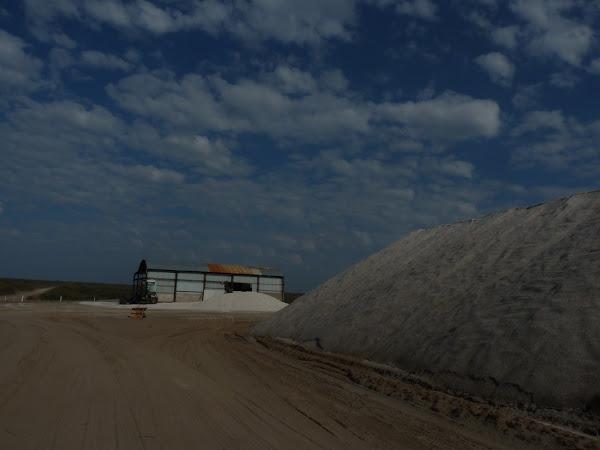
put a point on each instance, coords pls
(175, 283)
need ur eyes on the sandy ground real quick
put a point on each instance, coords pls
(78, 377)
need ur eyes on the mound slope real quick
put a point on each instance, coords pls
(243, 302)
(513, 296)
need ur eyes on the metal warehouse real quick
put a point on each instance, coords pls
(174, 283)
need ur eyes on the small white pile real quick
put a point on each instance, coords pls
(234, 302)
(242, 302)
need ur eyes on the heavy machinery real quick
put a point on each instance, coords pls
(145, 291)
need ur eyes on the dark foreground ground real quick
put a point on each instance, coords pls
(74, 377)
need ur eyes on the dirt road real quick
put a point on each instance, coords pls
(75, 377)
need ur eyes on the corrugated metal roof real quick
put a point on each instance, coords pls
(178, 267)
(233, 269)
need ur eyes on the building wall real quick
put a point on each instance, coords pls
(165, 298)
(188, 297)
(212, 292)
(271, 286)
(191, 286)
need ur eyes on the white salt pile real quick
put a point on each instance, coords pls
(514, 297)
(242, 302)
(233, 302)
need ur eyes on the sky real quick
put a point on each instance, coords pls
(303, 135)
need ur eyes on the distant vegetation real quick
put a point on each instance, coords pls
(69, 290)
(87, 291)
(9, 286)
(73, 290)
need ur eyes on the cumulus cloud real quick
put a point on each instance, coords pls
(447, 117)
(506, 36)
(538, 120)
(187, 102)
(528, 96)
(564, 80)
(309, 21)
(288, 104)
(557, 142)
(204, 155)
(334, 80)
(71, 117)
(293, 81)
(595, 66)
(498, 67)
(20, 70)
(104, 61)
(552, 32)
(145, 173)
(424, 9)
(271, 107)
(454, 167)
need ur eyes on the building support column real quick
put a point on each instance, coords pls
(175, 288)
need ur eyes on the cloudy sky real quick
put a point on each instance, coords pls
(298, 134)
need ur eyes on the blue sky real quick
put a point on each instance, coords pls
(302, 135)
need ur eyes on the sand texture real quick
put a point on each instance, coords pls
(513, 296)
(81, 378)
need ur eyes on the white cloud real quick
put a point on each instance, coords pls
(288, 104)
(188, 102)
(506, 36)
(104, 60)
(197, 153)
(447, 117)
(498, 67)
(455, 168)
(570, 43)
(528, 96)
(69, 117)
(19, 70)
(559, 143)
(271, 107)
(334, 80)
(595, 66)
(424, 9)
(203, 154)
(309, 21)
(146, 173)
(552, 32)
(290, 21)
(564, 80)
(53, 37)
(304, 22)
(538, 120)
(293, 81)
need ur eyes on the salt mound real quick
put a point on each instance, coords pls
(242, 302)
(512, 296)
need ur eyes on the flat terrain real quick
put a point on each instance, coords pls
(79, 377)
